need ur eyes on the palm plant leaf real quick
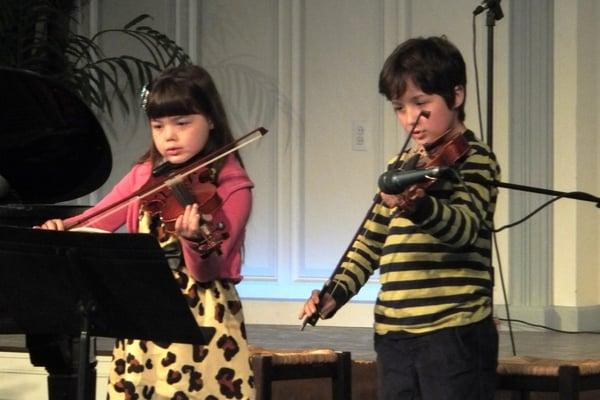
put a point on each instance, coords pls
(36, 35)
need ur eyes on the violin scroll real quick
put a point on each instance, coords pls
(211, 236)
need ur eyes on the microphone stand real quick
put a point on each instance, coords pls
(494, 13)
(568, 195)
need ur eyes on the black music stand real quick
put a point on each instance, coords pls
(93, 284)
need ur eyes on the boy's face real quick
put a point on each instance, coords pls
(441, 118)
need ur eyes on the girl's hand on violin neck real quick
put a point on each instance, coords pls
(325, 305)
(53, 225)
(188, 223)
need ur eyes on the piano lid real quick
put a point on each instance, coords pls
(52, 148)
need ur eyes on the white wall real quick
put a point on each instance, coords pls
(577, 106)
(307, 70)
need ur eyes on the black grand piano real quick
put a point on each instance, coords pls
(52, 150)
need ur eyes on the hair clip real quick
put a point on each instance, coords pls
(144, 94)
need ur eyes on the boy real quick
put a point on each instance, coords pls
(434, 334)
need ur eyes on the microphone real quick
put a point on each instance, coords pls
(396, 180)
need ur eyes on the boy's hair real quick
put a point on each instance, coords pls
(434, 64)
(185, 90)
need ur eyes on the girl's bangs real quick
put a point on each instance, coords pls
(168, 103)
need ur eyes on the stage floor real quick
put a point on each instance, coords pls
(359, 341)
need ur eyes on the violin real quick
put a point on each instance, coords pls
(444, 152)
(166, 195)
(170, 202)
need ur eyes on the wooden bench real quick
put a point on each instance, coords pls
(524, 374)
(271, 365)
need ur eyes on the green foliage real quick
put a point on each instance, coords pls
(37, 35)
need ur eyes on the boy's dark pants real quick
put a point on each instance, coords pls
(449, 364)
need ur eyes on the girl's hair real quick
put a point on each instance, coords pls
(434, 64)
(185, 90)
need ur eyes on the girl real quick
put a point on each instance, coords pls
(187, 119)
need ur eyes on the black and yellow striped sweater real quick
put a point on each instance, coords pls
(435, 268)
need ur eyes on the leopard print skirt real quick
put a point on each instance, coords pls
(145, 370)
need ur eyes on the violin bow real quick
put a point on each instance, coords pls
(312, 319)
(174, 176)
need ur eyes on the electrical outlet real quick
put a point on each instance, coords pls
(359, 136)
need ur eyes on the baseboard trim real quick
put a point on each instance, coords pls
(285, 312)
(583, 318)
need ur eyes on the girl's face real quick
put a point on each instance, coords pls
(441, 118)
(180, 137)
